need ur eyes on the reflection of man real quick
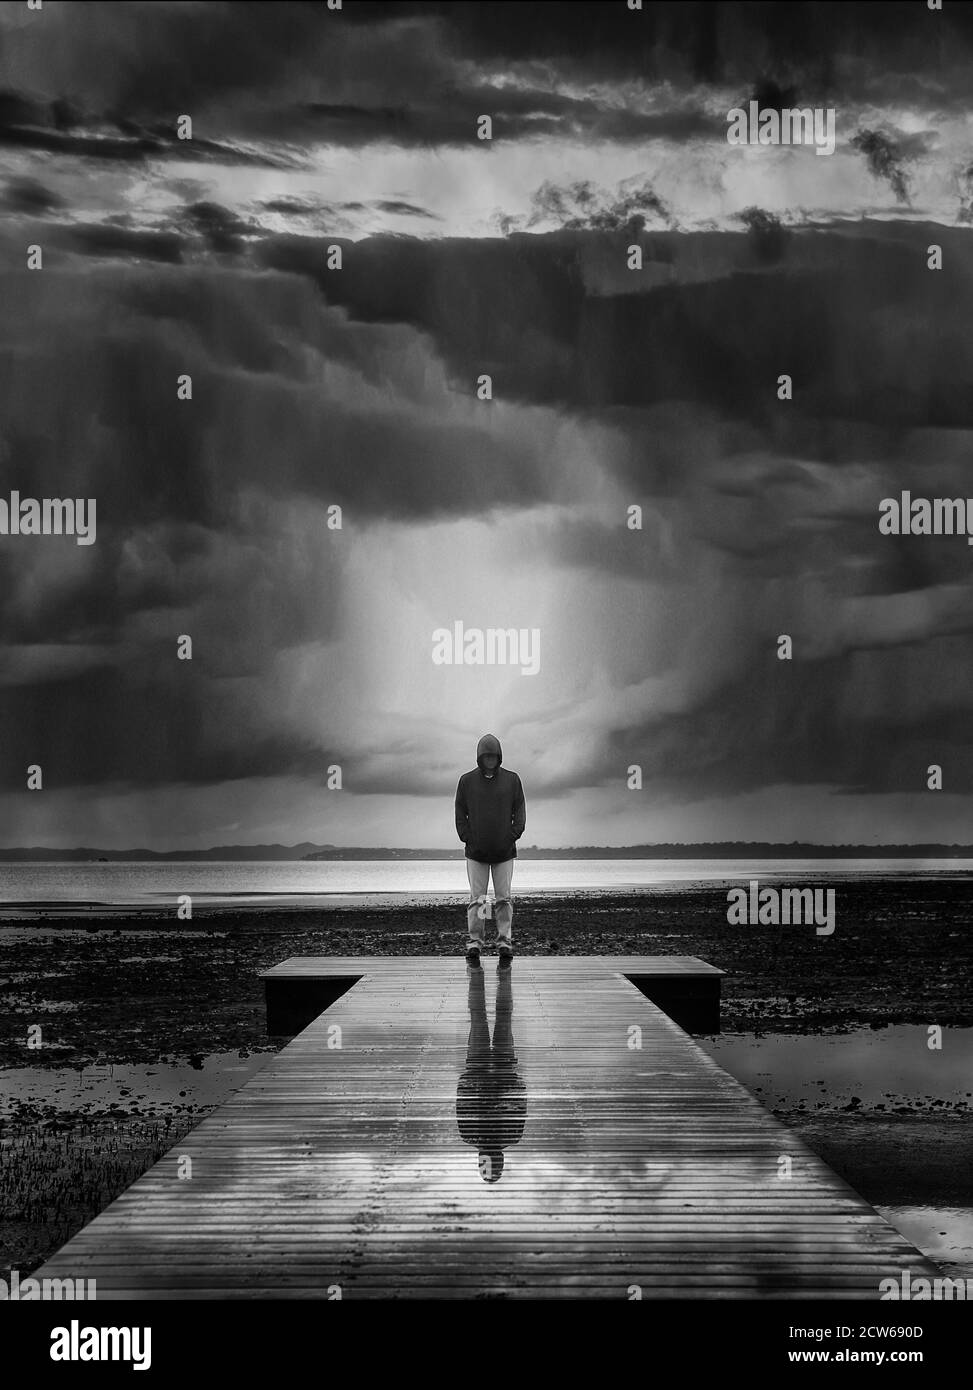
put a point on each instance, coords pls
(491, 1099)
(490, 818)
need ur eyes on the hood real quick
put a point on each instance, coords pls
(489, 743)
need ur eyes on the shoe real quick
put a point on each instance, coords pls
(505, 950)
(473, 955)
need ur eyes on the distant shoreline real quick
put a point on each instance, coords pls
(308, 853)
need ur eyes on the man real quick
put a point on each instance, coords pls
(490, 818)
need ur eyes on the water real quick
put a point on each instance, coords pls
(944, 1234)
(131, 1088)
(382, 881)
(877, 1069)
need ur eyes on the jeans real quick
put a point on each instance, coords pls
(479, 908)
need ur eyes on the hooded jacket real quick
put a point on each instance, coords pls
(491, 812)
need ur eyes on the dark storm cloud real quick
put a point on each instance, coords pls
(145, 61)
(252, 72)
(57, 142)
(303, 207)
(582, 205)
(30, 196)
(94, 239)
(313, 207)
(241, 52)
(886, 158)
(707, 42)
(155, 726)
(222, 230)
(314, 387)
(818, 309)
(245, 80)
(401, 209)
(770, 97)
(42, 126)
(514, 289)
(866, 722)
(414, 74)
(518, 307)
(247, 341)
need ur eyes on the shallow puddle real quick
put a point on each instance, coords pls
(945, 1234)
(202, 1081)
(885, 1069)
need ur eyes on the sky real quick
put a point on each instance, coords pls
(613, 388)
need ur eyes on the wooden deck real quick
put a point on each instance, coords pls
(629, 1157)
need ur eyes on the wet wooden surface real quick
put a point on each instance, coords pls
(351, 1161)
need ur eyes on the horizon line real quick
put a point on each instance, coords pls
(442, 849)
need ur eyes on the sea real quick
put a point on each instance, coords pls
(26, 888)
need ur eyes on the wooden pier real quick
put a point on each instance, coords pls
(538, 1131)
